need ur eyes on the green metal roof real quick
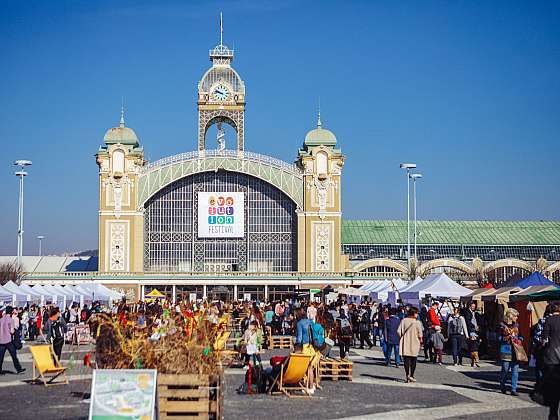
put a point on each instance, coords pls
(441, 232)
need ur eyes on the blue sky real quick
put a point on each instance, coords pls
(467, 89)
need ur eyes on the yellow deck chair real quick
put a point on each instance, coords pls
(221, 341)
(293, 375)
(46, 363)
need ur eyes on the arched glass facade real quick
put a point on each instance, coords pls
(170, 228)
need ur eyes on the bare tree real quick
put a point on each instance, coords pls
(10, 271)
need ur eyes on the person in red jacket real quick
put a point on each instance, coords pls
(433, 317)
(433, 322)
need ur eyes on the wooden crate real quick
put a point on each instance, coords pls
(190, 396)
(335, 370)
(280, 342)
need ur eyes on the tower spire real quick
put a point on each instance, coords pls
(221, 30)
(121, 124)
(319, 114)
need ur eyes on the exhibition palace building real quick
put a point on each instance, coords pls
(223, 223)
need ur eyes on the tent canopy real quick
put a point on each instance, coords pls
(525, 294)
(350, 291)
(533, 279)
(477, 294)
(548, 295)
(501, 294)
(21, 295)
(155, 293)
(437, 285)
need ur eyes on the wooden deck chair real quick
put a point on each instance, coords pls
(221, 341)
(314, 365)
(293, 375)
(46, 363)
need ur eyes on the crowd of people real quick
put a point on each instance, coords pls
(402, 332)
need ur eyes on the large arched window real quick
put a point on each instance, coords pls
(171, 242)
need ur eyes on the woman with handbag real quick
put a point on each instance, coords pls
(410, 333)
(7, 339)
(511, 350)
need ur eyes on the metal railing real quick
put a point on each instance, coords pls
(235, 154)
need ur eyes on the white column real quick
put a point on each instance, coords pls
(266, 292)
(235, 292)
(142, 293)
(204, 291)
(174, 294)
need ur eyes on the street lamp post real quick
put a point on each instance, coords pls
(415, 177)
(408, 167)
(21, 174)
(40, 237)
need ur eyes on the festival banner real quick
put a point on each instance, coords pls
(221, 215)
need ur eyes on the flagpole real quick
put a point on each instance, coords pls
(221, 29)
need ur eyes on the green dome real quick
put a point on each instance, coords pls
(320, 136)
(121, 134)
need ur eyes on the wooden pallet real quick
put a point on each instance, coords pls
(280, 342)
(189, 396)
(335, 370)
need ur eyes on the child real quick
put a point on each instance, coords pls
(473, 344)
(438, 341)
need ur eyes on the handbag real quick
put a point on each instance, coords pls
(519, 351)
(16, 340)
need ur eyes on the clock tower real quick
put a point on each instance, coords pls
(221, 97)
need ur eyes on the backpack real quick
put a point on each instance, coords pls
(317, 335)
(57, 333)
(454, 326)
(345, 327)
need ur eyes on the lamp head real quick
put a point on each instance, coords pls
(408, 165)
(22, 162)
(40, 237)
(415, 176)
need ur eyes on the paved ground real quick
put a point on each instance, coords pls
(375, 392)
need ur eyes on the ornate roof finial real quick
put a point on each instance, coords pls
(319, 114)
(121, 124)
(221, 30)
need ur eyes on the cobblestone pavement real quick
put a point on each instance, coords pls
(376, 391)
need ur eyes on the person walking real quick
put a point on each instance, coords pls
(343, 333)
(438, 341)
(392, 338)
(7, 331)
(410, 333)
(551, 340)
(509, 334)
(55, 328)
(457, 333)
(364, 324)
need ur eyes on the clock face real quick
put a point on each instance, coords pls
(220, 92)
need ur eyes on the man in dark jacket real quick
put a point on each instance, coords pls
(392, 338)
(551, 338)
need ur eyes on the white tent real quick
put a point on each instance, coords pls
(22, 296)
(84, 292)
(351, 291)
(45, 293)
(30, 291)
(99, 292)
(437, 285)
(371, 286)
(394, 295)
(393, 285)
(70, 295)
(6, 296)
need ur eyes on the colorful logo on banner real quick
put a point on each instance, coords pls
(221, 215)
(221, 210)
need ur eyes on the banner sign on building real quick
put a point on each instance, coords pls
(221, 215)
